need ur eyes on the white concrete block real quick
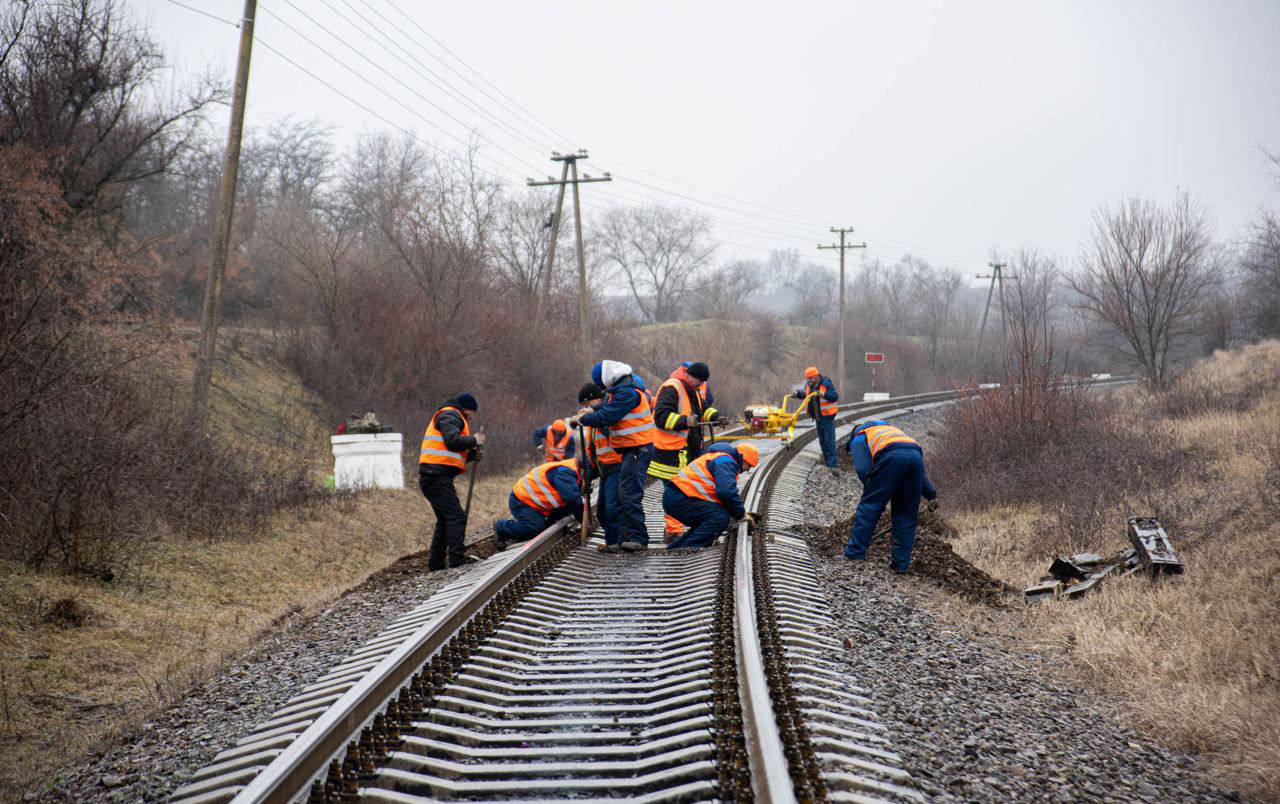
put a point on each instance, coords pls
(367, 460)
(875, 396)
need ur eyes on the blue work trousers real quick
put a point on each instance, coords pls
(897, 477)
(706, 520)
(528, 522)
(826, 426)
(628, 502)
(607, 516)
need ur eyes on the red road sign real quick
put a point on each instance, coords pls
(874, 357)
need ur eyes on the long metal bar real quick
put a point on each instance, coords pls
(289, 774)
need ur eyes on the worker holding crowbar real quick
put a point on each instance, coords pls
(678, 416)
(447, 447)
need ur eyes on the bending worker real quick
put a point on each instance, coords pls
(627, 416)
(603, 462)
(447, 445)
(704, 494)
(556, 441)
(822, 407)
(547, 494)
(678, 415)
(890, 465)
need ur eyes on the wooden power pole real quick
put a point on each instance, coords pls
(212, 308)
(842, 231)
(584, 321)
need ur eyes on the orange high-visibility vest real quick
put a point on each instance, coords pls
(554, 450)
(602, 453)
(880, 436)
(825, 408)
(664, 437)
(695, 480)
(636, 428)
(537, 491)
(433, 448)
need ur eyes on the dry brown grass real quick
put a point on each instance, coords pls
(185, 607)
(1194, 657)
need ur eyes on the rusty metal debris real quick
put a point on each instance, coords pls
(1075, 576)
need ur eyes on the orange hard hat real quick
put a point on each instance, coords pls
(750, 455)
(811, 372)
(559, 424)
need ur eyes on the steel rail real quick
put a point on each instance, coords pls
(289, 775)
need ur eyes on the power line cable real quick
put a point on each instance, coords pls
(204, 13)
(398, 80)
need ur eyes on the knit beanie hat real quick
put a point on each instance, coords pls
(597, 374)
(699, 371)
(589, 392)
(467, 402)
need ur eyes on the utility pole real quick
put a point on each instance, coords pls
(212, 307)
(997, 277)
(570, 166)
(842, 231)
(544, 291)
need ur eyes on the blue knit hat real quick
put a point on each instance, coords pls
(597, 374)
(467, 402)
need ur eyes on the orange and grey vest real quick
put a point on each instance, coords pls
(825, 408)
(555, 448)
(601, 452)
(538, 492)
(695, 480)
(880, 436)
(664, 437)
(636, 428)
(434, 449)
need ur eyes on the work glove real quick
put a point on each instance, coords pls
(477, 452)
(931, 505)
(751, 519)
(799, 394)
(479, 437)
(723, 421)
(572, 421)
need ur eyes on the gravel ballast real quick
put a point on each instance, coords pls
(974, 718)
(167, 749)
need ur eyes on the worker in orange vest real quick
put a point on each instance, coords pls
(556, 441)
(544, 496)
(822, 409)
(678, 416)
(704, 495)
(447, 446)
(627, 416)
(603, 462)
(890, 465)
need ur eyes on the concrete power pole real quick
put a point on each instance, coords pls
(842, 231)
(584, 321)
(996, 277)
(212, 307)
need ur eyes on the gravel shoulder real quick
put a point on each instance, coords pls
(975, 714)
(148, 763)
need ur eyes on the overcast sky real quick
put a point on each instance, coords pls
(940, 129)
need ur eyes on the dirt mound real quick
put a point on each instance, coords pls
(932, 560)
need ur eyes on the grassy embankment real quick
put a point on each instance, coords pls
(1194, 657)
(81, 660)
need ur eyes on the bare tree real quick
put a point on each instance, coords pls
(314, 246)
(813, 284)
(936, 291)
(723, 292)
(1260, 276)
(80, 83)
(1143, 275)
(521, 239)
(659, 250)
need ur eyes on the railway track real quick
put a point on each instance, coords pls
(555, 672)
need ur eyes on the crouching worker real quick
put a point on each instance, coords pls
(547, 494)
(703, 496)
(890, 465)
